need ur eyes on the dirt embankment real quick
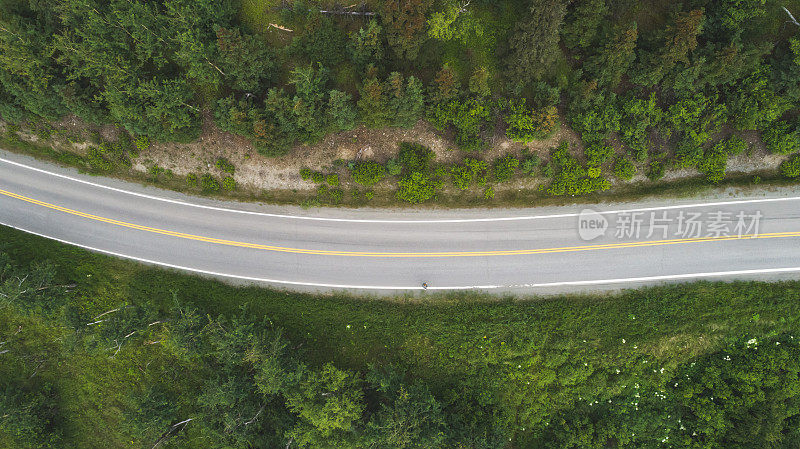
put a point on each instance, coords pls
(259, 172)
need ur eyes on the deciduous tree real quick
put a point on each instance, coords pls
(404, 22)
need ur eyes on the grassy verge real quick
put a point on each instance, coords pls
(384, 194)
(532, 357)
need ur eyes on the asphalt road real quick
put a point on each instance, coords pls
(533, 250)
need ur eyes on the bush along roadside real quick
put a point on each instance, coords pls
(414, 177)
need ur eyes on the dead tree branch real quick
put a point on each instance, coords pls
(169, 433)
(791, 17)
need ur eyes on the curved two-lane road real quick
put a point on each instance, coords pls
(377, 250)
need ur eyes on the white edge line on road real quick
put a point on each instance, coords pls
(472, 287)
(354, 220)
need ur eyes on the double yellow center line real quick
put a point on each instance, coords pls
(318, 252)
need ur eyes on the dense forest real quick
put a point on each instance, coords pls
(99, 352)
(648, 84)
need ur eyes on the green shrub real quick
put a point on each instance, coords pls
(141, 143)
(781, 138)
(225, 165)
(477, 166)
(525, 125)
(754, 103)
(125, 162)
(318, 177)
(95, 137)
(640, 116)
(598, 152)
(529, 163)
(414, 157)
(367, 173)
(790, 168)
(417, 188)
(306, 173)
(715, 160)
(598, 121)
(97, 161)
(191, 180)
(656, 171)
(322, 190)
(593, 172)
(228, 183)
(479, 82)
(123, 145)
(341, 114)
(310, 202)
(336, 195)
(43, 131)
(504, 168)
(332, 180)
(112, 152)
(569, 176)
(369, 194)
(735, 146)
(696, 118)
(394, 167)
(488, 194)
(688, 153)
(209, 184)
(624, 169)
(11, 133)
(714, 164)
(461, 176)
(155, 171)
(468, 119)
(548, 170)
(473, 170)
